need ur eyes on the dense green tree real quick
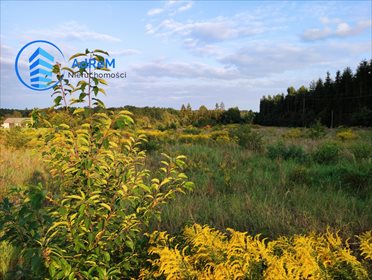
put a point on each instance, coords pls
(346, 100)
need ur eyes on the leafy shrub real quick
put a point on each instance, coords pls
(210, 254)
(327, 153)
(299, 175)
(293, 133)
(317, 130)
(286, 152)
(23, 226)
(192, 130)
(247, 138)
(186, 138)
(356, 179)
(17, 137)
(361, 151)
(107, 201)
(168, 126)
(346, 134)
(224, 139)
(94, 227)
(150, 144)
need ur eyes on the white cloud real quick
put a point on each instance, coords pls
(177, 70)
(172, 7)
(125, 52)
(217, 29)
(155, 11)
(73, 31)
(335, 28)
(185, 7)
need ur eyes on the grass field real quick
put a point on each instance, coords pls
(276, 182)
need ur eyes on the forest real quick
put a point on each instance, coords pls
(345, 100)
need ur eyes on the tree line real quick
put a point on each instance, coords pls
(344, 100)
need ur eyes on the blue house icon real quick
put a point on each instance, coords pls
(41, 64)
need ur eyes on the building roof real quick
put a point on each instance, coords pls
(16, 120)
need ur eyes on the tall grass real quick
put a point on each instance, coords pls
(19, 167)
(250, 192)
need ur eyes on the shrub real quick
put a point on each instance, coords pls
(191, 130)
(299, 175)
(293, 133)
(327, 153)
(361, 151)
(247, 138)
(201, 139)
(94, 227)
(317, 130)
(17, 137)
(206, 253)
(346, 134)
(107, 199)
(356, 179)
(281, 151)
(150, 144)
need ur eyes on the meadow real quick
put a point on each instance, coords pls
(155, 193)
(262, 180)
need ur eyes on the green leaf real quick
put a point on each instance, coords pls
(78, 111)
(74, 197)
(95, 90)
(102, 90)
(102, 81)
(107, 257)
(57, 224)
(101, 51)
(130, 244)
(106, 206)
(98, 103)
(57, 100)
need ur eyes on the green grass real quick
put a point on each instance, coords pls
(245, 189)
(248, 191)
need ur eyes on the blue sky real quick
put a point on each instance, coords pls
(197, 52)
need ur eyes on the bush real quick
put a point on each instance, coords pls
(281, 151)
(361, 151)
(357, 179)
(317, 130)
(327, 153)
(17, 137)
(201, 139)
(293, 133)
(150, 144)
(206, 253)
(346, 134)
(299, 175)
(106, 202)
(247, 138)
(191, 130)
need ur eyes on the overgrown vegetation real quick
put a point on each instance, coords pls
(87, 193)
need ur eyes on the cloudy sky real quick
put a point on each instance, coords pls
(197, 52)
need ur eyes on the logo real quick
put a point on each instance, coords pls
(34, 64)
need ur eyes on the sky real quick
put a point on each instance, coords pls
(197, 52)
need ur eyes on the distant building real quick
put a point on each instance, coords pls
(13, 122)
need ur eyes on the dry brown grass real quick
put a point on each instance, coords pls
(19, 168)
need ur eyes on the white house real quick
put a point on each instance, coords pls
(13, 122)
